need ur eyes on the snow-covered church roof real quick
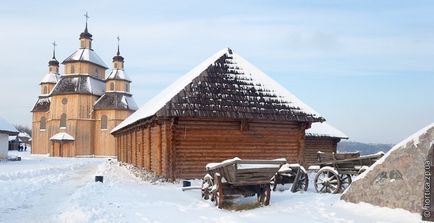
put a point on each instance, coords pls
(42, 105)
(116, 100)
(118, 74)
(50, 78)
(225, 85)
(87, 55)
(62, 136)
(6, 127)
(79, 84)
(325, 130)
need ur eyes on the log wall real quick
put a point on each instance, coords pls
(182, 148)
(315, 144)
(147, 147)
(198, 142)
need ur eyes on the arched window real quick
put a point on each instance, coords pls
(112, 86)
(45, 90)
(42, 123)
(104, 122)
(127, 87)
(63, 121)
(72, 69)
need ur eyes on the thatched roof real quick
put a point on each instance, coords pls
(225, 86)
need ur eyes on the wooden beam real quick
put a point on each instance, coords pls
(159, 151)
(149, 148)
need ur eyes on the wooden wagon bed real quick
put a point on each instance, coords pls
(336, 169)
(240, 177)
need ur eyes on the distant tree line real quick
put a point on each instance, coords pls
(363, 148)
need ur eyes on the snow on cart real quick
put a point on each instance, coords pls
(335, 170)
(237, 177)
(293, 174)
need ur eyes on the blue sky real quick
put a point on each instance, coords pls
(366, 66)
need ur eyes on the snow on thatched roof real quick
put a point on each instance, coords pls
(86, 55)
(62, 136)
(325, 130)
(225, 85)
(6, 127)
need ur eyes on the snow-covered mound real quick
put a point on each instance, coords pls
(397, 179)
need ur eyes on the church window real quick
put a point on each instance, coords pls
(50, 69)
(127, 87)
(116, 66)
(72, 69)
(63, 121)
(64, 101)
(112, 86)
(96, 72)
(45, 90)
(104, 122)
(42, 123)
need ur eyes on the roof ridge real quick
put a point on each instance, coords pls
(225, 84)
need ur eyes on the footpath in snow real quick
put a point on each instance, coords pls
(46, 189)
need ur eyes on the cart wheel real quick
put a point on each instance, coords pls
(218, 194)
(345, 181)
(207, 184)
(266, 195)
(327, 181)
(275, 180)
(301, 182)
(263, 197)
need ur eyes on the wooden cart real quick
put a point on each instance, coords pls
(336, 170)
(293, 174)
(239, 178)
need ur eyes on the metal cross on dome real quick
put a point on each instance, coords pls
(87, 16)
(54, 48)
(119, 39)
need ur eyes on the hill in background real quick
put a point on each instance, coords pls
(363, 148)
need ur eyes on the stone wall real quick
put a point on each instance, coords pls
(397, 179)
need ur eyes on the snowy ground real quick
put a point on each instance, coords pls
(46, 189)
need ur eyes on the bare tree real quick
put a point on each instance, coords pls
(23, 128)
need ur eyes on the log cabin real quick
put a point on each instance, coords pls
(84, 104)
(321, 137)
(223, 108)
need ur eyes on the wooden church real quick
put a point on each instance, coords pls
(76, 111)
(223, 108)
